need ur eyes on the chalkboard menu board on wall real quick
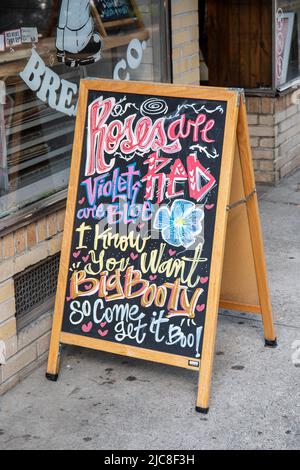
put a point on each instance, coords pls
(111, 10)
(144, 221)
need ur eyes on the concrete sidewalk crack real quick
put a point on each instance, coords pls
(242, 317)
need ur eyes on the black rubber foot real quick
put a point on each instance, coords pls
(52, 377)
(204, 411)
(271, 343)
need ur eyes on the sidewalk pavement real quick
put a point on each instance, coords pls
(102, 401)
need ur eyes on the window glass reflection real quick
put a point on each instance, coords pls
(46, 47)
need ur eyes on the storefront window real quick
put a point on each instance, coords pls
(287, 46)
(253, 44)
(46, 47)
(236, 43)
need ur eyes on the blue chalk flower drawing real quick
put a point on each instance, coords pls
(181, 224)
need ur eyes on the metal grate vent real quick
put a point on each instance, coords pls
(36, 285)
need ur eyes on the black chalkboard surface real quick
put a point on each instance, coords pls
(161, 177)
(144, 221)
(111, 10)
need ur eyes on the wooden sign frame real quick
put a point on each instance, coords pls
(234, 197)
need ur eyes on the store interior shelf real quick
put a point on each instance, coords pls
(12, 63)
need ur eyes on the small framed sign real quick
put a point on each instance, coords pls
(13, 38)
(29, 35)
(2, 43)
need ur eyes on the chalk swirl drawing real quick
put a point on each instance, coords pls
(181, 224)
(154, 107)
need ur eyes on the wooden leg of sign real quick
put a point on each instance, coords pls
(255, 227)
(53, 361)
(54, 352)
(213, 299)
(54, 356)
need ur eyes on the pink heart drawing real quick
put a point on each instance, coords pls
(133, 256)
(81, 201)
(85, 258)
(203, 280)
(153, 277)
(88, 286)
(102, 333)
(68, 299)
(200, 308)
(76, 254)
(87, 328)
(209, 206)
(103, 324)
(172, 252)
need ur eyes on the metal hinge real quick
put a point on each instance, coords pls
(241, 201)
(240, 94)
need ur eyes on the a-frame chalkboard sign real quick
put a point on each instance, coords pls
(162, 226)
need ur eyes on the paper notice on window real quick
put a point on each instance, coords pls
(2, 43)
(13, 38)
(29, 35)
(2, 92)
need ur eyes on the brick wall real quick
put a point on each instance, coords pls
(287, 138)
(185, 42)
(27, 348)
(274, 124)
